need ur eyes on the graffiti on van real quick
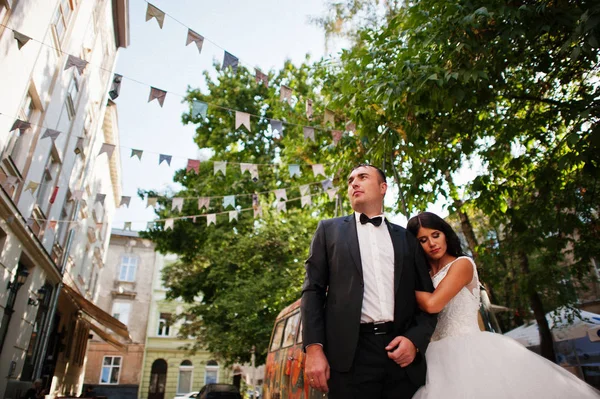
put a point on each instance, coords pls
(284, 369)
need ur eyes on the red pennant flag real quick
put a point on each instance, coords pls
(193, 164)
(53, 196)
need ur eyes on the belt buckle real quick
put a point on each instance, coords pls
(378, 328)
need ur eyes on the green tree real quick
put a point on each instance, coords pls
(512, 87)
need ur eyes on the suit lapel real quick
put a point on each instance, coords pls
(397, 243)
(351, 241)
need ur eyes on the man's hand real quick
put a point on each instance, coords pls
(402, 351)
(317, 368)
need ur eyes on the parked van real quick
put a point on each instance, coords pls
(284, 369)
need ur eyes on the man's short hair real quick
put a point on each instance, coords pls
(366, 165)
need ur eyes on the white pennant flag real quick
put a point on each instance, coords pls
(281, 206)
(211, 219)
(331, 192)
(177, 204)
(220, 167)
(242, 118)
(169, 224)
(280, 194)
(305, 189)
(318, 170)
(305, 200)
(250, 167)
(203, 202)
(258, 211)
(233, 215)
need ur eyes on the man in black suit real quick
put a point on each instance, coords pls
(363, 334)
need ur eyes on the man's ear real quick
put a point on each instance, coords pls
(383, 188)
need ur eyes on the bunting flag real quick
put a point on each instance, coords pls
(136, 153)
(309, 109)
(294, 170)
(77, 195)
(193, 164)
(326, 184)
(233, 215)
(78, 63)
(281, 206)
(228, 200)
(336, 135)
(196, 38)
(124, 201)
(74, 225)
(151, 201)
(305, 200)
(250, 167)
(242, 118)
(165, 158)
(108, 149)
(309, 133)
(220, 167)
(149, 225)
(285, 94)
(10, 181)
(21, 39)
(53, 134)
(52, 224)
(329, 117)
(351, 127)
(305, 189)
(100, 198)
(230, 61)
(30, 222)
(32, 187)
(153, 12)
(318, 170)
(203, 202)
(115, 86)
(331, 192)
(177, 204)
(280, 194)
(127, 226)
(79, 145)
(169, 223)
(255, 203)
(21, 125)
(276, 125)
(211, 219)
(54, 194)
(258, 211)
(199, 108)
(261, 77)
(157, 94)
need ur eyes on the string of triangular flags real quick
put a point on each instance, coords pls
(200, 108)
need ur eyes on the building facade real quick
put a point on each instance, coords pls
(169, 370)
(57, 196)
(126, 293)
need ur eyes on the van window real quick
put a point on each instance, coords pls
(291, 327)
(299, 340)
(276, 344)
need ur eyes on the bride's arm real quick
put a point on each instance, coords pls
(459, 275)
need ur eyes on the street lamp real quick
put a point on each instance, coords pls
(19, 280)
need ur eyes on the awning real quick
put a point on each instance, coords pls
(109, 338)
(97, 314)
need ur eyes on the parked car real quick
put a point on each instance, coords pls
(189, 395)
(219, 391)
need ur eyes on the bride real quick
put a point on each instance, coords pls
(462, 361)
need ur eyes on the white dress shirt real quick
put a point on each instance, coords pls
(377, 258)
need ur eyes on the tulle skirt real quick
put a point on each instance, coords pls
(487, 365)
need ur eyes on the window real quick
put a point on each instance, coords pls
(111, 368)
(4, 7)
(184, 385)
(128, 268)
(291, 329)
(164, 325)
(48, 179)
(17, 142)
(211, 375)
(66, 213)
(276, 343)
(121, 310)
(72, 93)
(61, 19)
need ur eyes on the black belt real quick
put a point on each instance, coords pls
(377, 328)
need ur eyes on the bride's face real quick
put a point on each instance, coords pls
(433, 242)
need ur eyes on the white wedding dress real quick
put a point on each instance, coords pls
(464, 362)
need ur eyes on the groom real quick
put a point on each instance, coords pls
(363, 334)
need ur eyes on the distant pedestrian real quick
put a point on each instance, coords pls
(36, 391)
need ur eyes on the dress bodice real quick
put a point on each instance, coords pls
(459, 316)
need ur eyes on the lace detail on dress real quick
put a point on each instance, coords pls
(459, 316)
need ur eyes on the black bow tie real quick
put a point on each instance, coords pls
(376, 221)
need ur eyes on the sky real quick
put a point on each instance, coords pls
(261, 34)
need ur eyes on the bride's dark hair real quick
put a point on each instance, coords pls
(432, 221)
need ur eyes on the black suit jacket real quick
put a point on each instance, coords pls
(333, 288)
